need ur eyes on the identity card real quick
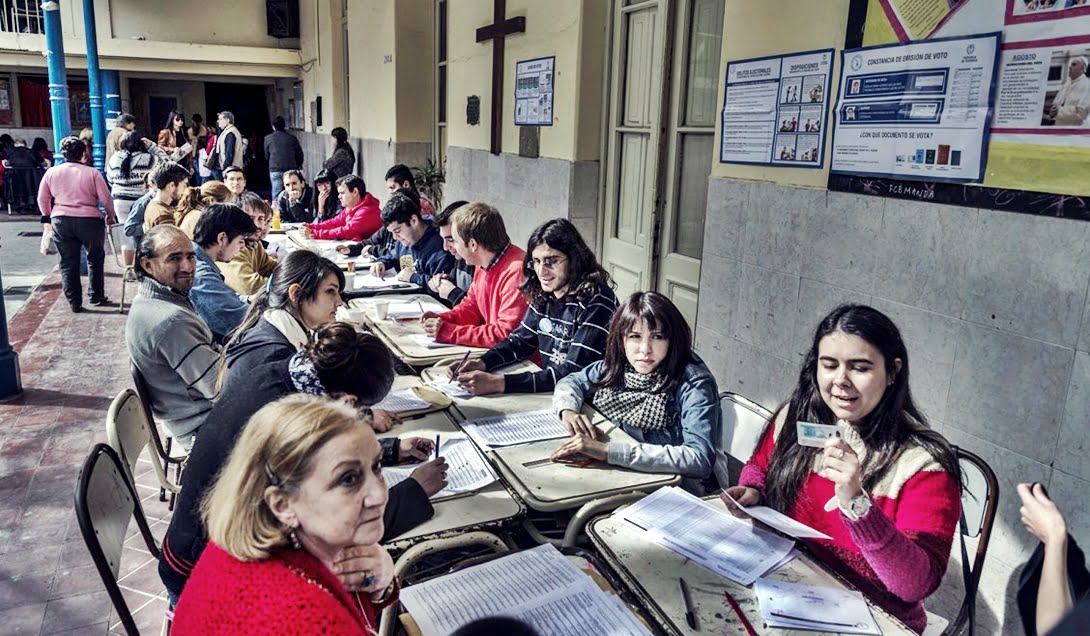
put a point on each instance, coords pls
(811, 434)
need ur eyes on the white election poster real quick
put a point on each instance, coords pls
(917, 111)
(775, 110)
(534, 92)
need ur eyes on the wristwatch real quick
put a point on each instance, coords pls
(858, 507)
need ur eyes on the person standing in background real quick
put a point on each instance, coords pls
(343, 160)
(228, 149)
(125, 123)
(283, 152)
(173, 140)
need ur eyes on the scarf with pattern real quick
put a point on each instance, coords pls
(304, 376)
(640, 402)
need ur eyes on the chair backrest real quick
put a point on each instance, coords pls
(117, 239)
(144, 391)
(743, 422)
(128, 428)
(106, 501)
(979, 500)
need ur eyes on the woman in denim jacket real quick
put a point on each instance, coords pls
(652, 385)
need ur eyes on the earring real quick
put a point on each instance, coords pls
(293, 539)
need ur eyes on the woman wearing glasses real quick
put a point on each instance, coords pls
(173, 139)
(566, 323)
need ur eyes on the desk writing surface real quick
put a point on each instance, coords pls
(651, 572)
(493, 505)
(398, 334)
(480, 406)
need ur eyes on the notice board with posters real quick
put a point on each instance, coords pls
(1039, 144)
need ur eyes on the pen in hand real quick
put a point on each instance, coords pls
(437, 446)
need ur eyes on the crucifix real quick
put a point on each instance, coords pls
(501, 27)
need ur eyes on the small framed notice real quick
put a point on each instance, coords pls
(534, 80)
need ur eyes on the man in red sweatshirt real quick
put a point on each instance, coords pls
(361, 216)
(494, 304)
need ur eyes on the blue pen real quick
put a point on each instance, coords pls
(437, 446)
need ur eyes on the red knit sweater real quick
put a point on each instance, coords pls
(356, 223)
(897, 553)
(291, 592)
(493, 306)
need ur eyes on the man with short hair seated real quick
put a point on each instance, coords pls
(168, 342)
(451, 287)
(399, 178)
(235, 180)
(221, 233)
(415, 238)
(296, 200)
(494, 305)
(359, 218)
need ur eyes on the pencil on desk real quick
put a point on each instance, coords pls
(739, 613)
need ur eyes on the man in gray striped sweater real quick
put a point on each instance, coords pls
(169, 343)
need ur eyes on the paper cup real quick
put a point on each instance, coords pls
(356, 316)
(382, 308)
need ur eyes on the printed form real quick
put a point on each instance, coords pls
(466, 469)
(517, 428)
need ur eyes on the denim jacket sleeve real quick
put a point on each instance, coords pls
(698, 401)
(574, 388)
(221, 308)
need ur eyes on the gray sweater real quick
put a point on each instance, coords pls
(173, 349)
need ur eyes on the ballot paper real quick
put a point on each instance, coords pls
(388, 281)
(516, 428)
(402, 401)
(428, 342)
(798, 606)
(466, 469)
(539, 586)
(780, 521)
(711, 537)
(450, 388)
(405, 310)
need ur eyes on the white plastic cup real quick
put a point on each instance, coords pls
(356, 316)
(382, 308)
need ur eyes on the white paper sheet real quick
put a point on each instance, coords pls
(428, 342)
(466, 469)
(780, 521)
(539, 586)
(799, 606)
(388, 281)
(402, 401)
(516, 428)
(405, 310)
(450, 388)
(680, 521)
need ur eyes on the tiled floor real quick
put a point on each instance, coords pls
(72, 365)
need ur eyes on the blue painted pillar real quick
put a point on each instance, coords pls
(111, 92)
(94, 86)
(10, 382)
(58, 77)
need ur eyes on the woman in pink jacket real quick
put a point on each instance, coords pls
(360, 217)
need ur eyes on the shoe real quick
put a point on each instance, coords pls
(101, 300)
(77, 309)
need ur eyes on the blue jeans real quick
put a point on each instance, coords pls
(277, 181)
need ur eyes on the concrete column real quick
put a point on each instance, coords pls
(94, 86)
(58, 77)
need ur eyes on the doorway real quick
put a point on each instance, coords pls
(159, 108)
(250, 105)
(664, 77)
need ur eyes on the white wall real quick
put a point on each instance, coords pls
(239, 23)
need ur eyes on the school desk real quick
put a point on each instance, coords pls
(544, 485)
(399, 334)
(492, 507)
(651, 571)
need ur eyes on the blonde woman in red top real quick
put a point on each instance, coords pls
(294, 521)
(885, 489)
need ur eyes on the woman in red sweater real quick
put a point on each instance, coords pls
(299, 503)
(885, 488)
(360, 217)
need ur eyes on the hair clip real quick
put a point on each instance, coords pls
(273, 479)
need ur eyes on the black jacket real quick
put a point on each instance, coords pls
(1078, 578)
(283, 151)
(301, 211)
(243, 395)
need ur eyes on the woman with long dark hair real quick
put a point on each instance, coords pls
(652, 385)
(128, 168)
(343, 160)
(885, 488)
(570, 304)
(174, 136)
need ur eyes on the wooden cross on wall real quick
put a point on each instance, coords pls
(500, 28)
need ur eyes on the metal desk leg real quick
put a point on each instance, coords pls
(593, 508)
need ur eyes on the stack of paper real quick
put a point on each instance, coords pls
(428, 342)
(402, 401)
(405, 310)
(466, 469)
(539, 586)
(711, 537)
(450, 388)
(517, 428)
(779, 521)
(798, 606)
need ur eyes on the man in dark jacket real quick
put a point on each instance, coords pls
(246, 391)
(283, 152)
(296, 202)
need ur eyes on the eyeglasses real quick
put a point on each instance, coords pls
(549, 262)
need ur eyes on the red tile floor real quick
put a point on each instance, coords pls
(72, 366)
